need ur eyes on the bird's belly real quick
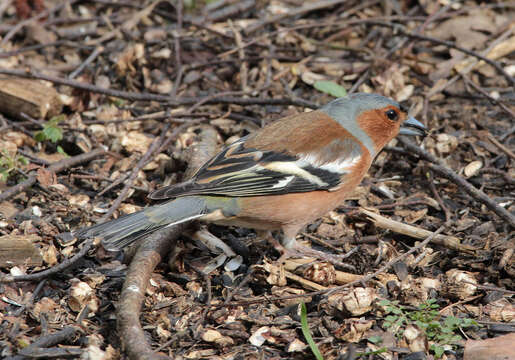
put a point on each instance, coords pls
(298, 208)
(250, 223)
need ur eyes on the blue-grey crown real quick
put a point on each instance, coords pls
(347, 108)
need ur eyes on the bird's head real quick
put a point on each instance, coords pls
(373, 119)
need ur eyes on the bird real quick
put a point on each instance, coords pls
(281, 177)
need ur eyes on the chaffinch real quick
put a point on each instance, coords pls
(281, 177)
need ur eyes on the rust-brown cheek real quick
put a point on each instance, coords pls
(380, 129)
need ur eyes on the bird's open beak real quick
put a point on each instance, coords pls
(413, 127)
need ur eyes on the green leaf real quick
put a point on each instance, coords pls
(118, 102)
(384, 302)
(57, 119)
(53, 133)
(51, 130)
(10, 164)
(469, 322)
(306, 333)
(451, 321)
(189, 4)
(421, 324)
(368, 353)
(438, 350)
(376, 339)
(23, 160)
(391, 318)
(331, 88)
(396, 311)
(61, 151)
(39, 136)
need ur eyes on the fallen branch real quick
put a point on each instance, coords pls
(59, 43)
(304, 282)
(98, 50)
(500, 347)
(218, 15)
(178, 49)
(437, 166)
(475, 193)
(490, 98)
(148, 255)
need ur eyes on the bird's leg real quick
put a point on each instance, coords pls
(285, 248)
(291, 248)
(306, 251)
(267, 235)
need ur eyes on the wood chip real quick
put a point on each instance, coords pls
(28, 96)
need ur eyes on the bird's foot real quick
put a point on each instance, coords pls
(301, 251)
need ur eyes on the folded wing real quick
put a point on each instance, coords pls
(238, 171)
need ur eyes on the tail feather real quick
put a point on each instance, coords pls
(119, 233)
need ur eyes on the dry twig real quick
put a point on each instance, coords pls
(450, 242)
(55, 167)
(134, 96)
(37, 348)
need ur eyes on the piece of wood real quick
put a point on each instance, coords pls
(29, 96)
(7, 210)
(498, 348)
(19, 250)
(450, 242)
(341, 278)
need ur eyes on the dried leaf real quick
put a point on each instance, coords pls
(472, 168)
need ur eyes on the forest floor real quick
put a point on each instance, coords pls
(101, 102)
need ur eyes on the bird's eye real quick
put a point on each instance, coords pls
(392, 114)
